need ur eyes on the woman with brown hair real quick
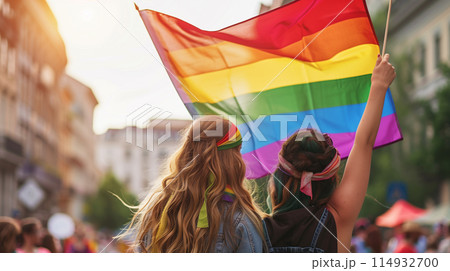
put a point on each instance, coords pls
(374, 239)
(9, 230)
(311, 210)
(51, 243)
(202, 205)
(31, 236)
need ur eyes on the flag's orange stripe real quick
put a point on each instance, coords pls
(322, 46)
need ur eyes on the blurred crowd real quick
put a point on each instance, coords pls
(29, 236)
(408, 237)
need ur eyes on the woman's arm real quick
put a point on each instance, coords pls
(349, 195)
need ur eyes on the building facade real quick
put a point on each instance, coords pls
(32, 56)
(32, 88)
(275, 4)
(419, 34)
(11, 148)
(373, 5)
(135, 162)
(41, 60)
(377, 5)
(420, 29)
(77, 141)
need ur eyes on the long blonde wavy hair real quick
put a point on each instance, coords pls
(186, 181)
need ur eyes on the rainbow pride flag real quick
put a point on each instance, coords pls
(308, 60)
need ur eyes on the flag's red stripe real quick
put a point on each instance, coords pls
(272, 30)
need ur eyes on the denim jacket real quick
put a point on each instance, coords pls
(249, 240)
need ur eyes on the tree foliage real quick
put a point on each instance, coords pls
(440, 144)
(104, 209)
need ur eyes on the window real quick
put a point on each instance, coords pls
(8, 117)
(11, 63)
(3, 53)
(3, 194)
(145, 156)
(409, 73)
(47, 76)
(437, 49)
(3, 110)
(6, 10)
(422, 56)
(127, 153)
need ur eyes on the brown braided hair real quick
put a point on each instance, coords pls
(305, 154)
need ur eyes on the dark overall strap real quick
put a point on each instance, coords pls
(266, 235)
(319, 228)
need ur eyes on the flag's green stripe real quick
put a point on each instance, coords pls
(295, 98)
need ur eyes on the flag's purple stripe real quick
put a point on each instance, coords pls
(266, 159)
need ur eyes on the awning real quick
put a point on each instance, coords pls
(400, 212)
(435, 215)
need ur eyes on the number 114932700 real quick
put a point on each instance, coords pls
(404, 262)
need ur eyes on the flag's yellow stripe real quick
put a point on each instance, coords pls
(216, 86)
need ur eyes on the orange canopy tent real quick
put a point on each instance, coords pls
(400, 212)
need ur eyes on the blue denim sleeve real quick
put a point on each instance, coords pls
(250, 240)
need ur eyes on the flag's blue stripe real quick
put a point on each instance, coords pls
(333, 120)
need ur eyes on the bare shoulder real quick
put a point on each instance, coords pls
(344, 229)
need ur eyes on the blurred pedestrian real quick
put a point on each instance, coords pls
(411, 234)
(432, 243)
(422, 243)
(444, 245)
(51, 243)
(91, 236)
(359, 235)
(31, 236)
(374, 240)
(78, 243)
(396, 236)
(9, 230)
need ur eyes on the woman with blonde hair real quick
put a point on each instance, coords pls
(312, 211)
(202, 205)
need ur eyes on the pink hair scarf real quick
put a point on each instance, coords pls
(307, 177)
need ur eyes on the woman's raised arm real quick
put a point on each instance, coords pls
(347, 200)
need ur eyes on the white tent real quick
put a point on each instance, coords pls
(437, 214)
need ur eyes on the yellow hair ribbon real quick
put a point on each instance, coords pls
(162, 223)
(202, 221)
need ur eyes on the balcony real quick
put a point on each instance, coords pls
(10, 150)
(8, 29)
(10, 145)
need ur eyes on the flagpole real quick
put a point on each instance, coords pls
(387, 28)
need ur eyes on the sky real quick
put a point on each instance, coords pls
(110, 51)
